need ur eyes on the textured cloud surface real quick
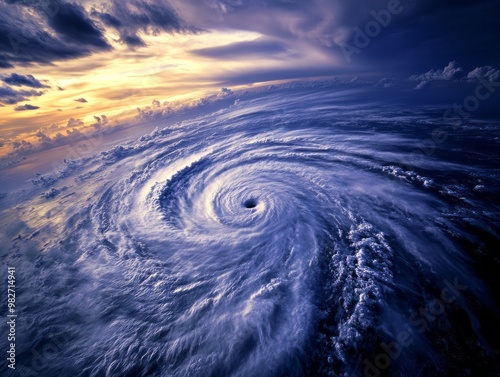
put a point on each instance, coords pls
(45, 31)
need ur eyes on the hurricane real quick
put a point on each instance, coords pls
(295, 231)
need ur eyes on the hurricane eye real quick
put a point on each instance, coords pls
(250, 203)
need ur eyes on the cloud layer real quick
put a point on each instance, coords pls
(423, 33)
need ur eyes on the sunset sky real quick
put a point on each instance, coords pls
(66, 64)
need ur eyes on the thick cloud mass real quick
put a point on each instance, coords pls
(43, 32)
(72, 24)
(131, 17)
(423, 35)
(287, 230)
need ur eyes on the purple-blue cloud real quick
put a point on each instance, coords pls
(23, 80)
(44, 31)
(10, 96)
(26, 107)
(450, 72)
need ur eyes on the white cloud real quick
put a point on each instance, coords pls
(449, 72)
(487, 73)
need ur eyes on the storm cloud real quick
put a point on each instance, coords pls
(424, 34)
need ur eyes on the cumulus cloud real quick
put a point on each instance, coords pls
(72, 122)
(100, 121)
(26, 107)
(23, 80)
(450, 72)
(453, 72)
(225, 92)
(54, 135)
(22, 147)
(487, 73)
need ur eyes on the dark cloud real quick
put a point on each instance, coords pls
(423, 35)
(147, 16)
(20, 80)
(26, 107)
(108, 19)
(132, 41)
(142, 14)
(45, 31)
(72, 24)
(81, 99)
(10, 96)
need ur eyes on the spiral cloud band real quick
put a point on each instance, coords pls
(272, 237)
